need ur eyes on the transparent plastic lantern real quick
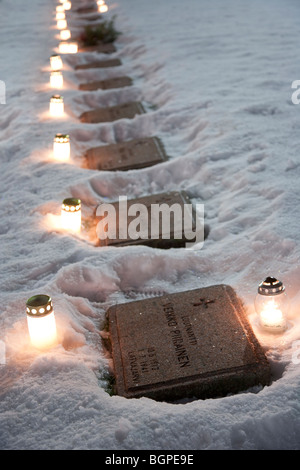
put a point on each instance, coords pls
(62, 24)
(61, 147)
(55, 62)
(56, 106)
(60, 9)
(67, 5)
(272, 305)
(71, 214)
(60, 15)
(65, 34)
(56, 79)
(41, 321)
(103, 8)
(68, 47)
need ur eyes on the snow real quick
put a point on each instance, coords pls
(216, 82)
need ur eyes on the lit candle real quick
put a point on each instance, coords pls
(41, 321)
(56, 107)
(61, 147)
(59, 9)
(100, 2)
(103, 8)
(68, 47)
(67, 5)
(271, 304)
(65, 34)
(56, 62)
(71, 214)
(62, 24)
(60, 15)
(56, 79)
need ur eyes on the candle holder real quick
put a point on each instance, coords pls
(60, 15)
(68, 47)
(71, 214)
(65, 34)
(103, 8)
(56, 106)
(41, 321)
(61, 147)
(271, 305)
(56, 62)
(56, 79)
(67, 5)
(62, 24)
(60, 9)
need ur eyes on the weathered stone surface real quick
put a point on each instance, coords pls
(99, 64)
(107, 48)
(113, 113)
(197, 344)
(134, 154)
(151, 231)
(118, 82)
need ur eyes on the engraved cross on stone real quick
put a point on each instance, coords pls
(204, 302)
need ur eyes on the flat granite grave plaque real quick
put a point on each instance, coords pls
(139, 222)
(113, 113)
(134, 154)
(107, 48)
(98, 64)
(193, 344)
(118, 82)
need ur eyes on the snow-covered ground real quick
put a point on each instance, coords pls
(216, 79)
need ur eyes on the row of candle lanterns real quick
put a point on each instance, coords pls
(271, 302)
(39, 308)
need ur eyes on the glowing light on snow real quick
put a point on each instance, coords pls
(271, 304)
(56, 79)
(65, 34)
(41, 321)
(71, 214)
(56, 62)
(56, 106)
(60, 15)
(62, 24)
(61, 147)
(68, 47)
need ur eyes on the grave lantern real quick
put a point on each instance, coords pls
(62, 24)
(61, 147)
(56, 106)
(271, 305)
(103, 8)
(56, 79)
(71, 214)
(56, 62)
(65, 34)
(60, 9)
(68, 47)
(41, 321)
(67, 5)
(60, 15)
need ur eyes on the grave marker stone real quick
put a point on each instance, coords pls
(113, 113)
(193, 344)
(118, 82)
(134, 154)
